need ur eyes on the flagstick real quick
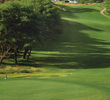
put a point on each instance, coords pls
(5, 85)
(5, 89)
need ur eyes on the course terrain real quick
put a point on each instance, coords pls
(75, 68)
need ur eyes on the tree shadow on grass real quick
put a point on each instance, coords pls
(76, 49)
(76, 61)
(70, 11)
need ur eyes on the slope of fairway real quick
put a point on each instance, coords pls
(89, 15)
(76, 68)
(84, 43)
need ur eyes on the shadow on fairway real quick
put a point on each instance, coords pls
(76, 49)
(70, 12)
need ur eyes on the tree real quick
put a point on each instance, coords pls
(22, 22)
(13, 19)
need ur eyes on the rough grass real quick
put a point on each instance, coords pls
(18, 69)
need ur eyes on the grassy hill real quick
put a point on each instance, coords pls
(75, 68)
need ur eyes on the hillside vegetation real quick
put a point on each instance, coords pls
(24, 23)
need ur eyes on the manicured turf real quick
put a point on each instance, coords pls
(76, 68)
(77, 84)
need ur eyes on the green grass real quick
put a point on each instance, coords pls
(82, 84)
(83, 50)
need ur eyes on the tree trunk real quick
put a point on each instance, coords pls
(29, 53)
(2, 1)
(1, 60)
(25, 52)
(4, 54)
(15, 55)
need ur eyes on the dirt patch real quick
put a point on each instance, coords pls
(19, 69)
(3, 68)
(102, 12)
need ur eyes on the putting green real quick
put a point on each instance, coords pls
(79, 84)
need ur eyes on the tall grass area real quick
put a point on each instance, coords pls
(75, 68)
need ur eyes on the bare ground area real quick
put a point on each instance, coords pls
(102, 12)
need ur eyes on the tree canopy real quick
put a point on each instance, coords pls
(25, 21)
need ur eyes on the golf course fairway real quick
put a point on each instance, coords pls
(75, 68)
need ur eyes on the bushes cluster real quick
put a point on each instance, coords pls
(24, 18)
(24, 21)
(108, 6)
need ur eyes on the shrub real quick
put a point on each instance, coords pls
(108, 6)
(23, 21)
(33, 18)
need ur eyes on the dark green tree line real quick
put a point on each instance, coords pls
(22, 22)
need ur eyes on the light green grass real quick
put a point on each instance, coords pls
(82, 84)
(76, 68)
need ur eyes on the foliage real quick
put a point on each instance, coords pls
(108, 6)
(12, 21)
(26, 18)
(22, 22)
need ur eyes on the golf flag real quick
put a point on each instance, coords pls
(5, 77)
